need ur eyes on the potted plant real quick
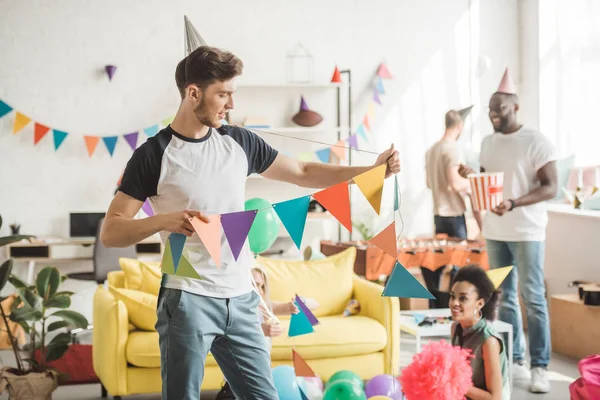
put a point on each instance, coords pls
(39, 309)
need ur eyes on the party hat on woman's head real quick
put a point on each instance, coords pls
(193, 40)
(507, 85)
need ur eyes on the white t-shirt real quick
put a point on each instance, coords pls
(519, 155)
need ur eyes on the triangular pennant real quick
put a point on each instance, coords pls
(59, 138)
(302, 395)
(306, 156)
(91, 142)
(39, 131)
(366, 122)
(324, 154)
(177, 241)
(151, 130)
(379, 86)
(498, 275)
(339, 149)
(336, 78)
(4, 109)
(311, 317)
(386, 240)
(110, 142)
(299, 325)
(301, 367)
(236, 226)
(361, 131)
(371, 110)
(370, 184)
(210, 234)
(376, 98)
(166, 265)
(147, 208)
(20, 121)
(396, 194)
(402, 284)
(185, 269)
(384, 72)
(167, 121)
(353, 141)
(336, 200)
(131, 139)
(292, 214)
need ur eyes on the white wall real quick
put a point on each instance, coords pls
(53, 54)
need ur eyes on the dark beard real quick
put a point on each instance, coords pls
(202, 117)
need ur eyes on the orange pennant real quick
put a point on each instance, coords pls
(20, 122)
(336, 200)
(370, 184)
(39, 131)
(91, 142)
(386, 240)
(339, 150)
(366, 122)
(210, 234)
(336, 78)
(301, 367)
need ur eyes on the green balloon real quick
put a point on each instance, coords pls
(344, 390)
(265, 227)
(346, 375)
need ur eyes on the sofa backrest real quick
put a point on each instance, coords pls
(328, 281)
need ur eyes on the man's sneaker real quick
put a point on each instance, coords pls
(225, 393)
(539, 380)
(520, 371)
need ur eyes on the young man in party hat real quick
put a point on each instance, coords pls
(197, 167)
(515, 231)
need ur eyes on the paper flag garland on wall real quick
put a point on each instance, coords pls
(4, 109)
(39, 131)
(147, 208)
(210, 234)
(366, 123)
(339, 150)
(167, 121)
(336, 200)
(376, 98)
(353, 141)
(21, 121)
(402, 284)
(59, 138)
(384, 72)
(91, 142)
(336, 78)
(379, 86)
(301, 367)
(151, 130)
(131, 139)
(498, 275)
(292, 214)
(324, 154)
(110, 142)
(361, 131)
(236, 226)
(302, 306)
(370, 184)
(299, 325)
(386, 240)
(177, 241)
(184, 268)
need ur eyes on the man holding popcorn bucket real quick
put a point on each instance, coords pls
(518, 174)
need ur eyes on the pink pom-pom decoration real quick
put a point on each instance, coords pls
(439, 372)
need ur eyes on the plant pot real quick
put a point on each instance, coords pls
(32, 386)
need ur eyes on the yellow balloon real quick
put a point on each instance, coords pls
(380, 398)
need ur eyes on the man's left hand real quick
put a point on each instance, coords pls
(502, 208)
(391, 157)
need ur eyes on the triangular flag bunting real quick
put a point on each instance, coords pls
(336, 78)
(59, 138)
(311, 317)
(386, 240)
(177, 241)
(376, 98)
(402, 284)
(299, 325)
(396, 194)
(336, 200)
(151, 130)
(39, 131)
(339, 149)
(20, 121)
(210, 234)
(301, 367)
(370, 184)
(324, 154)
(366, 122)
(302, 395)
(131, 139)
(306, 156)
(353, 141)
(371, 110)
(292, 214)
(166, 265)
(236, 226)
(167, 121)
(91, 142)
(379, 86)
(185, 269)
(111, 143)
(147, 208)
(498, 275)
(384, 72)
(361, 131)
(4, 109)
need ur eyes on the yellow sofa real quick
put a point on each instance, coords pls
(127, 360)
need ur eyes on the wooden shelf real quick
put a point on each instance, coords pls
(296, 129)
(288, 85)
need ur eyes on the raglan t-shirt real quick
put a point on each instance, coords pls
(176, 173)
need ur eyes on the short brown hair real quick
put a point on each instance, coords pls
(453, 118)
(206, 65)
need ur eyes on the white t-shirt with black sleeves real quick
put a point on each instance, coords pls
(208, 175)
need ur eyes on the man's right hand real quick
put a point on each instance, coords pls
(179, 222)
(464, 170)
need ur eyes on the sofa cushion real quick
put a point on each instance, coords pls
(328, 281)
(141, 307)
(151, 278)
(335, 336)
(133, 272)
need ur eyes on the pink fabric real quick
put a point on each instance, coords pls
(588, 386)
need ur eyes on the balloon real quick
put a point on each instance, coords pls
(346, 376)
(380, 398)
(265, 227)
(344, 390)
(312, 387)
(384, 385)
(284, 378)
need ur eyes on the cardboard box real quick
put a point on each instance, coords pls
(575, 327)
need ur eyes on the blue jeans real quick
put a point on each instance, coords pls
(528, 261)
(190, 325)
(454, 227)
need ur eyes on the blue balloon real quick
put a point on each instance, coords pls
(286, 384)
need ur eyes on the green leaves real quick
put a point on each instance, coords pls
(5, 270)
(57, 325)
(72, 317)
(55, 352)
(47, 282)
(59, 301)
(18, 283)
(12, 239)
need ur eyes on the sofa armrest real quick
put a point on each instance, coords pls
(385, 310)
(109, 338)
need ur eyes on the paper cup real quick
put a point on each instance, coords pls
(487, 190)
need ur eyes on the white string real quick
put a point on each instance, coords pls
(267, 310)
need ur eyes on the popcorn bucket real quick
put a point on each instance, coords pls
(487, 190)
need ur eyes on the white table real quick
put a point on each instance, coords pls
(408, 325)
